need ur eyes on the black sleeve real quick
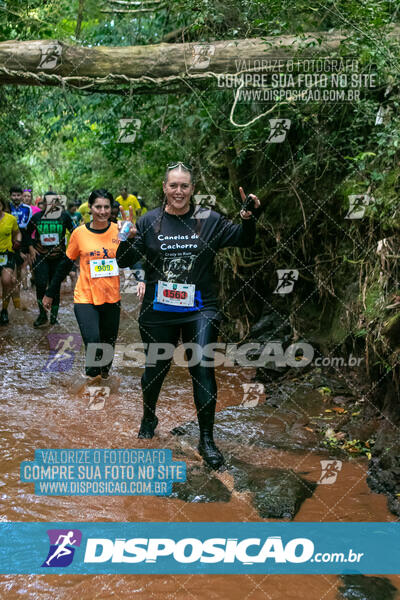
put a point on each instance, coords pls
(129, 252)
(25, 239)
(63, 268)
(30, 229)
(230, 234)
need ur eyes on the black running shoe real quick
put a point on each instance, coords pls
(53, 320)
(4, 317)
(209, 451)
(41, 320)
(147, 428)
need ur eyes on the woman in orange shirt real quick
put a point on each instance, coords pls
(97, 293)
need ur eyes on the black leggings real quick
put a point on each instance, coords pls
(98, 324)
(201, 332)
(44, 269)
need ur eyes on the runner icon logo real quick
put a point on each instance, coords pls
(252, 394)
(329, 471)
(51, 55)
(132, 276)
(61, 551)
(63, 347)
(279, 129)
(286, 280)
(203, 206)
(357, 205)
(201, 56)
(127, 130)
(98, 397)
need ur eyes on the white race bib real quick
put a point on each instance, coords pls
(176, 294)
(49, 239)
(3, 260)
(104, 267)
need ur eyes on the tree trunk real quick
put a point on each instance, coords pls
(151, 68)
(79, 19)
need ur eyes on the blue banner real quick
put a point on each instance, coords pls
(200, 548)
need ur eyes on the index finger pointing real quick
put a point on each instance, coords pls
(242, 194)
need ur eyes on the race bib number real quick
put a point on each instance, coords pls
(176, 294)
(49, 239)
(104, 267)
(3, 260)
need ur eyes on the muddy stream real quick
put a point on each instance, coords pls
(268, 442)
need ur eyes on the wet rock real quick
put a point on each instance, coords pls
(261, 426)
(341, 400)
(384, 467)
(275, 493)
(200, 486)
(361, 430)
(361, 587)
(278, 493)
(298, 399)
(270, 373)
(271, 326)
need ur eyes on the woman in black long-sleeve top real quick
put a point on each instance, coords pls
(179, 243)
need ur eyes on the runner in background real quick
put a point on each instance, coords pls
(115, 214)
(77, 220)
(143, 209)
(85, 212)
(10, 239)
(27, 199)
(129, 201)
(75, 215)
(47, 249)
(181, 297)
(97, 292)
(23, 213)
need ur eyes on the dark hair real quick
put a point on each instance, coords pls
(4, 204)
(70, 204)
(15, 189)
(100, 194)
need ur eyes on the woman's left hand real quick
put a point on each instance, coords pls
(47, 302)
(141, 288)
(247, 214)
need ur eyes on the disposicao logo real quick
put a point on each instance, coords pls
(190, 550)
(62, 542)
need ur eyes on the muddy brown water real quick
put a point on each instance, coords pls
(38, 411)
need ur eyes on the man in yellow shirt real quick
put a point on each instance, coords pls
(10, 239)
(126, 201)
(85, 212)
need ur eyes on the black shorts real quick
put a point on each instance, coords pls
(10, 260)
(18, 258)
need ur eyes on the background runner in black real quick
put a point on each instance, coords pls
(47, 249)
(179, 244)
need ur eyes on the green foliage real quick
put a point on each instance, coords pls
(70, 139)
